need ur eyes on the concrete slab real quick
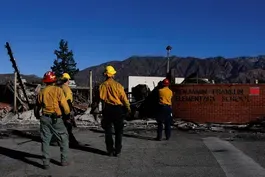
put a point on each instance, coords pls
(233, 161)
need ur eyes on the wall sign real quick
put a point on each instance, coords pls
(254, 91)
(212, 95)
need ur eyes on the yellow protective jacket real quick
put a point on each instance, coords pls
(165, 96)
(67, 92)
(112, 92)
(50, 99)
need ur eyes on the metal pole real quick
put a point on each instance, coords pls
(15, 92)
(168, 61)
(90, 86)
(168, 48)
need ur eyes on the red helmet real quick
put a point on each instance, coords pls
(49, 77)
(165, 82)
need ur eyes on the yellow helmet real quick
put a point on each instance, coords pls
(110, 71)
(66, 76)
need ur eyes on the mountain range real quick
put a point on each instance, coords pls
(219, 69)
(4, 78)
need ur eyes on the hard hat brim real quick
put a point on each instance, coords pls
(110, 73)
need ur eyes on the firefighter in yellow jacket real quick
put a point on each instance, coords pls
(164, 110)
(50, 100)
(69, 97)
(114, 100)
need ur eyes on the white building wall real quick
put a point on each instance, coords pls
(178, 80)
(150, 81)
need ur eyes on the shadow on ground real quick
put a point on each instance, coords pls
(127, 135)
(87, 148)
(19, 155)
(23, 156)
(36, 137)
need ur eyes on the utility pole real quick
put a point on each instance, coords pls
(15, 92)
(168, 48)
(90, 86)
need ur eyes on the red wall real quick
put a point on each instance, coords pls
(219, 103)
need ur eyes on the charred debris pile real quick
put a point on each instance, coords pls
(15, 100)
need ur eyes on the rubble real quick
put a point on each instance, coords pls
(80, 108)
(23, 108)
(80, 99)
(22, 104)
(257, 126)
(87, 119)
(184, 125)
(4, 109)
(24, 118)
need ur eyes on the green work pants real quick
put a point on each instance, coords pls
(48, 128)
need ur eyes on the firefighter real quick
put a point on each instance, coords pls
(164, 110)
(50, 100)
(115, 105)
(63, 82)
(69, 97)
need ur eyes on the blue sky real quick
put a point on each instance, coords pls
(103, 30)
